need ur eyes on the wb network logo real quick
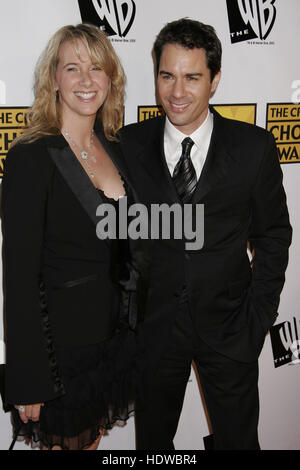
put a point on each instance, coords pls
(285, 342)
(115, 17)
(249, 19)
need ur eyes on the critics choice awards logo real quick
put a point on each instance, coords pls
(149, 112)
(115, 17)
(240, 112)
(12, 122)
(283, 120)
(250, 19)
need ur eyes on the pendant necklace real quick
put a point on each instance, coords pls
(84, 154)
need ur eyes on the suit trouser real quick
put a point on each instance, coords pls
(229, 388)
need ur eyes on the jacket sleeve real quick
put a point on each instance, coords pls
(29, 376)
(132, 279)
(270, 236)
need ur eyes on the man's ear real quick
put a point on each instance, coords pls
(215, 82)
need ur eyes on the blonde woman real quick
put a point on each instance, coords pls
(68, 370)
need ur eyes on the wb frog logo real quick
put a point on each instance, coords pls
(115, 17)
(249, 19)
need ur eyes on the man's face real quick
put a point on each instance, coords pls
(184, 86)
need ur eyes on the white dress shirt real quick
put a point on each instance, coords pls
(201, 137)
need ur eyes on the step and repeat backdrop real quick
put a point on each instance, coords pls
(260, 84)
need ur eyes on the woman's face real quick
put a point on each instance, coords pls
(82, 86)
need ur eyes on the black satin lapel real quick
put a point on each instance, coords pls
(113, 150)
(77, 180)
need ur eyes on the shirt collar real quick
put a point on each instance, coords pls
(173, 137)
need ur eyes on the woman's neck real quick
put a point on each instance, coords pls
(80, 130)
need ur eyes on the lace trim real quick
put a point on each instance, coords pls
(58, 385)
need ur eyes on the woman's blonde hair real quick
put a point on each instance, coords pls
(43, 118)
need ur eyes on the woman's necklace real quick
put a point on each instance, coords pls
(84, 154)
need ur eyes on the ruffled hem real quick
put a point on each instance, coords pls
(32, 434)
(102, 382)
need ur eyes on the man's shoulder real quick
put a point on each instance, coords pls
(244, 140)
(144, 129)
(242, 131)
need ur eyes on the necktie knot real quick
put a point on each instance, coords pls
(187, 144)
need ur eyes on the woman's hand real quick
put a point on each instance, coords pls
(29, 412)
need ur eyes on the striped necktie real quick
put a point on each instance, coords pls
(184, 176)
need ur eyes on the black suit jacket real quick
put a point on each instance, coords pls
(232, 305)
(60, 279)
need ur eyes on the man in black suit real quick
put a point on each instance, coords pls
(210, 305)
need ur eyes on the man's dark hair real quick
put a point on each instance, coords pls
(191, 34)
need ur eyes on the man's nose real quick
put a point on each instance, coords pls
(178, 88)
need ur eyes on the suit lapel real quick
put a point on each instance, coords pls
(114, 152)
(75, 177)
(150, 153)
(217, 164)
(152, 157)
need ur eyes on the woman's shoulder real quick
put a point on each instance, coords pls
(29, 157)
(35, 147)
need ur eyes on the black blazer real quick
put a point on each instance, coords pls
(60, 281)
(232, 305)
